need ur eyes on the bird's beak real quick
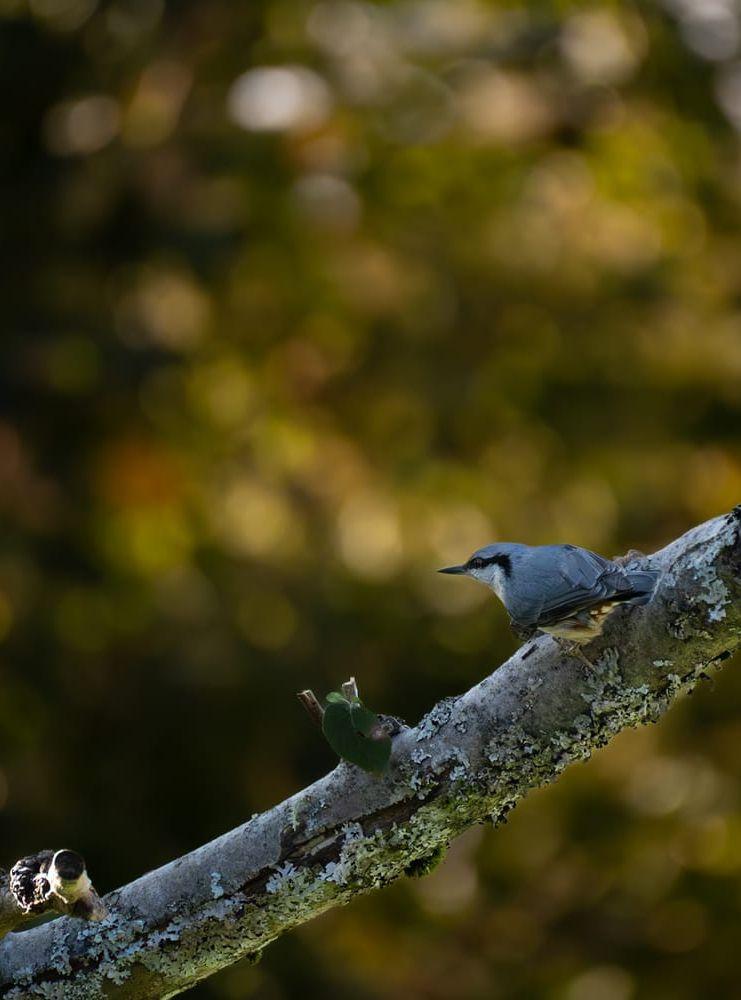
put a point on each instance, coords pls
(454, 570)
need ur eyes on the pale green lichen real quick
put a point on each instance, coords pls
(351, 831)
(283, 873)
(462, 764)
(217, 889)
(439, 715)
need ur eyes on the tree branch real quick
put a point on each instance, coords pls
(312, 705)
(470, 759)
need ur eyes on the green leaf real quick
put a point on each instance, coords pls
(335, 698)
(364, 721)
(343, 726)
(338, 728)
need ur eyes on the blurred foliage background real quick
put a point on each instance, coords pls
(301, 301)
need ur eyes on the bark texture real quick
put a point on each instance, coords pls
(470, 759)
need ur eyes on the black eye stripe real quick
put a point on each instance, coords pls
(496, 560)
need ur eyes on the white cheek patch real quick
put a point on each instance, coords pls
(492, 576)
(71, 891)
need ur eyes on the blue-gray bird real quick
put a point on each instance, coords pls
(564, 590)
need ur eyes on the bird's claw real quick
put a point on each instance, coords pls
(573, 649)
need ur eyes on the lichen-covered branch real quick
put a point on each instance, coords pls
(471, 758)
(47, 882)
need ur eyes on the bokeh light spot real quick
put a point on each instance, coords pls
(276, 98)
(82, 126)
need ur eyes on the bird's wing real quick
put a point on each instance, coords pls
(569, 580)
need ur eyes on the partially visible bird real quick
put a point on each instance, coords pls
(564, 590)
(55, 880)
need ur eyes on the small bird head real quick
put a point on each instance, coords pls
(491, 564)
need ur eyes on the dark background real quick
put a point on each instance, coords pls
(302, 301)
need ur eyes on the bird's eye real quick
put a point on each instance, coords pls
(476, 563)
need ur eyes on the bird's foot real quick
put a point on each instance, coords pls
(631, 556)
(571, 648)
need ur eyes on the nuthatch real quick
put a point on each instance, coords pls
(564, 590)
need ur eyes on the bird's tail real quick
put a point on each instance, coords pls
(643, 583)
